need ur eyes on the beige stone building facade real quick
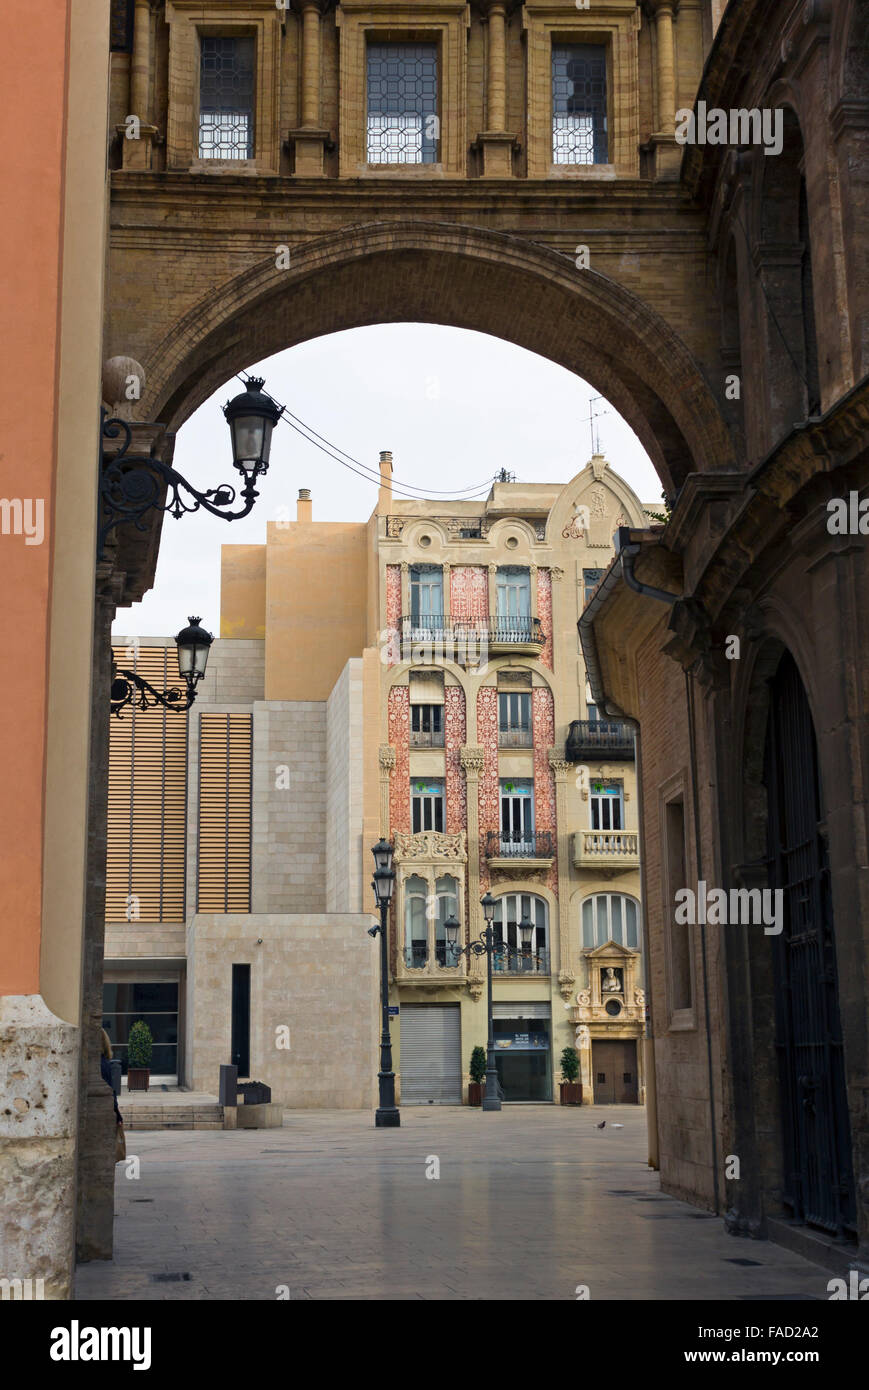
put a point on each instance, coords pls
(418, 676)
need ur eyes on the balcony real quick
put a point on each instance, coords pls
(516, 738)
(426, 738)
(467, 641)
(528, 963)
(612, 851)
(418, 964)
(524, 635)
(519, 853)
(599, 738)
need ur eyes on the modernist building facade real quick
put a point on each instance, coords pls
(417, 676)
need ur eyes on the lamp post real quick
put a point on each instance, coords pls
(488, 945)
(129, 688)
(387, 1114)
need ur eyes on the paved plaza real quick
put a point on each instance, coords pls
(529, 1204)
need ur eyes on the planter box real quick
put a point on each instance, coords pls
(476, 1091)
(571, 1092)
(138, 1078)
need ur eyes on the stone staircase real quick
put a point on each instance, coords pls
(170, 1109)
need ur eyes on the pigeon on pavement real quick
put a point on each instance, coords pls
(601, 1125)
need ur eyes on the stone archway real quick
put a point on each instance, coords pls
(468, 278)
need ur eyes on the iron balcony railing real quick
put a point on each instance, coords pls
(426, 738)
(589, 738)
(416, 956)
(535, 844)
(529, 962)
(435, 627)
(516, 738)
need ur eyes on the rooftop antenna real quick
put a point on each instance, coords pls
(505, 477)
(593, 415)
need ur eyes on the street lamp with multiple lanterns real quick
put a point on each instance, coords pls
(387, 1115)
(489, 945)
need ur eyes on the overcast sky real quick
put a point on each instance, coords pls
(453, 406)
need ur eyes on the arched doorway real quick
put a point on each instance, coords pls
(817, 1176)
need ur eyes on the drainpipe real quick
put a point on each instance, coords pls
(627, 552)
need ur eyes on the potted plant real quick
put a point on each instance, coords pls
(571, 1089)
(139, 1046)
(477, 1069)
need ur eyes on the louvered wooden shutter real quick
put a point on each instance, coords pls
(147, 810)
(225, 753)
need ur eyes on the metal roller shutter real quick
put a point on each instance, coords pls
(431, 1060)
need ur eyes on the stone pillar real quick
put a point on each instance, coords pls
(137, 150)
(496, 143)
(96, 1155)
(310, 141)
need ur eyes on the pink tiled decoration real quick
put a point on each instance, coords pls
(469, 592)
(489, 791)
(393, 602)
(454, 738)
(544, 612)
(543, 719)
(399, 737)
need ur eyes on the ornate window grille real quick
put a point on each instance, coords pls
(402, 103)
(579, 126)
(226, 98)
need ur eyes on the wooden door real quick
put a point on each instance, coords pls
(614, 1071)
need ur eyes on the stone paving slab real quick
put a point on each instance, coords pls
(530, 1203)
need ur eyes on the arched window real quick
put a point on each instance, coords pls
(447, 905)
(510, 909)
(415, 924)
(611, 917)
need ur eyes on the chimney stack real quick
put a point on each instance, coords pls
(304, 506)
(384, 496)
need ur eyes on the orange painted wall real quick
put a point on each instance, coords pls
(35, 60)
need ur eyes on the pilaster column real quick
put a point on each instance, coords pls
(496, 143)
(310, 64)
(386, 760)
(668, 153)
(497, 71)
(309, 141)
(561, 768)
(445, 571)
(136, 151)
(493, 591)
(473, 761)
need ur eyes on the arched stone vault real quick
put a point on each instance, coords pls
(468, 278)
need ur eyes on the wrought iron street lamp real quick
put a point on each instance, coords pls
(387, 1115)
(133, 484)
(490, 946)
(129, 688)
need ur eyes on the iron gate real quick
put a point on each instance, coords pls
(818, 1177)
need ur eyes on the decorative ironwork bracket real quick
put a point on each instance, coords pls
(130, 689)
(130, 485)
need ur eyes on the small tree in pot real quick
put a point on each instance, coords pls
(139, 1047)
(477, 1069)
(571, 1089)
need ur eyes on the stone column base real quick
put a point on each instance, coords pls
(136, 154)
(39, 1067)
(497, 148)
(309, 148)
